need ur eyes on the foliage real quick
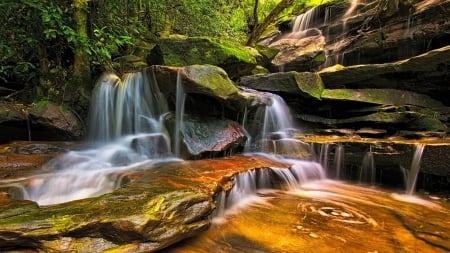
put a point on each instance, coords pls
(39, 36)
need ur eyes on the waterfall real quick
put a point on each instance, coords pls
(247, 184)
(351, 10)
(306, 20)
(413, 173)
(339, 160)
(272, 121)
(125, 128)
(368, 169)
(179, 112)
(324, 155)
(131, 106)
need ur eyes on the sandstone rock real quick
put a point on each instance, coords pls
(299, 54)
(159, 206)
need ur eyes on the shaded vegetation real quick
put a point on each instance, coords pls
(51, 49)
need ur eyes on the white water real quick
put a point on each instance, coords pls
(248, 184)
(306, 20)
(125, 130)
(179, 113)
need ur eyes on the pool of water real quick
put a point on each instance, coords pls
(329, 216)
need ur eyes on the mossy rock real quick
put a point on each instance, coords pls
(381, 97)
(181, 51)
(306, 84)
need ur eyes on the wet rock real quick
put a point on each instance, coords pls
(160, 206)
(406, 26)
(381, 97)
(206, 136)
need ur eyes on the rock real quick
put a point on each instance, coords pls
(305, 84)
(427, 71)
(160, 205)
(26, 157)
(235, 59)
(13, 122)
(52, 122)
(381, 97)
(207, 136)
(207, 86)
(406, 26)
(299, 54)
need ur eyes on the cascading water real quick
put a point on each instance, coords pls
(247, 184)
(272, 121)
(339, 162)
(324, 155)
(179, 113)
(412, 174)
(306, 20)
(126, 129)
(368, 169)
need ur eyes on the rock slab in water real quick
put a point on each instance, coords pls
(158, 207)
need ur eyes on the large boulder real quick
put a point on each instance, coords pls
(208, 87)
(39, 121)
(53, 122)
(299, 53)
(206, 136)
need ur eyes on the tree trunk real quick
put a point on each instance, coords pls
(259, 29)
(80, 85)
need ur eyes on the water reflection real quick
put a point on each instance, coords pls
(329, 216)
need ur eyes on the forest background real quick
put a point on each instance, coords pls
(53, 49)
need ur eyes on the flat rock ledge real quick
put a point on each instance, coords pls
(156, 206)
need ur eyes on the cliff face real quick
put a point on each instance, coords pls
(383, 61)
(385, 31)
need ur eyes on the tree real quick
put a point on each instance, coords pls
(81, 75)
(259, 29)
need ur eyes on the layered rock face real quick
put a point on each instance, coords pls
(398, 85)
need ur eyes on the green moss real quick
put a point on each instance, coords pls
(182, 51)
(310, 83)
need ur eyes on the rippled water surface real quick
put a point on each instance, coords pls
(329, 216)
